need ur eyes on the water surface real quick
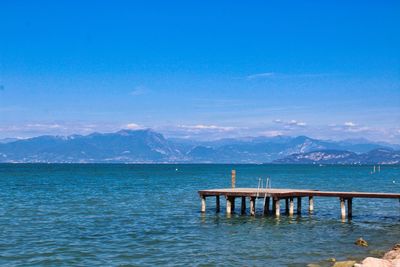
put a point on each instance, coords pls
(138, 215)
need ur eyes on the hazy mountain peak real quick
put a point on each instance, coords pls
(146, 145)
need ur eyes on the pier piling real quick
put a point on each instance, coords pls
(299, 205)
(266, 205)
(217, 204)
(228, 205)
(243, 208)
(291, 206)
(203, 204)
(233, 176)
(277, 208)
(349, 208)
(342, 208)
(286, 205)
(252, 206)
(310, 204)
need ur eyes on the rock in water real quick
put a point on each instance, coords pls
(393, 254)
(374, 262)
(344, 264)
(332, 260)
(361, 242)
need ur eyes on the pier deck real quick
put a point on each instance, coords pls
(281, 193)
(284, 194)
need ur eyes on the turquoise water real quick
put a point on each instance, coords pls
(138, 215)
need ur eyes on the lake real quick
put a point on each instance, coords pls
(146, 215)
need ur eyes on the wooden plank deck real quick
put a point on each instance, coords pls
(284, 193)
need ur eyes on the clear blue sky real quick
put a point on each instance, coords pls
(201, 69)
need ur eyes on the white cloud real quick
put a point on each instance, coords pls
(44, 126)
(296, 123)
(265, 75)
(207, 127)
(139, 90)
(260, 75)
(350, 127)
(358, 129)
(132, 126)
(271, 133)
(290, 123)
(350, 124)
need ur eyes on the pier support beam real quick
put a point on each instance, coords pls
(298, 205)
(233, 204)
(349, 208)
(252, 206)
(203, 204)
(310, 204)
(277, 208)
(291, 206)
(243, 208)
(342, 208)
(228, 205)
(273, 205)
(286, 205)
(217, 204)
(266, 205)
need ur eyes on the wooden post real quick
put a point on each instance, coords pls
(298, 205)
(349, 208)
(277, 208)
(217, 204)
(266, 205)
(203, 204)
(228, 205)
(233, 204)
(310, 204)
(342, 208)
(252, 206)
(291, 206)
(286, 205)
(233, 178)
(273, 205)
(243, 209)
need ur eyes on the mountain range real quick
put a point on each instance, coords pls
(148, 146)
(376, 156)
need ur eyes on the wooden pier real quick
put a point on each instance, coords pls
(288, 195)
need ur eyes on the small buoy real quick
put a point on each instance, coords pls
(394, 181)
(176, 169)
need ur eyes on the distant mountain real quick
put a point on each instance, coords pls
(147, 146)
(267, 149)
(376, 156)
(8, 140)
(123, 146)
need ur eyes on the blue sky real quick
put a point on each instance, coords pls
(204, 69)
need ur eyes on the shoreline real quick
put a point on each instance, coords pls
(391, 258)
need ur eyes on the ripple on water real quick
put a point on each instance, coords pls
(138, 215)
